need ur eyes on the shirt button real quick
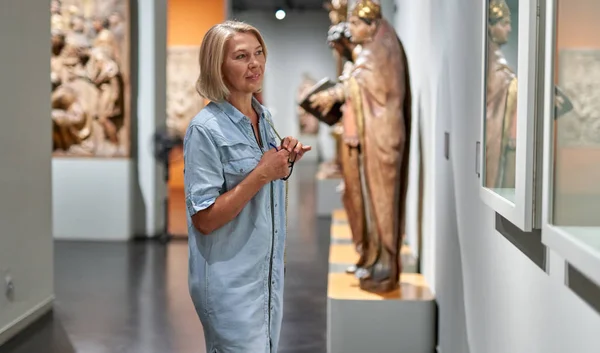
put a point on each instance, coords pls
(241, 170)
(275, 230)
(275, 205)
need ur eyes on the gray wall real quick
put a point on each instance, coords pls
(296, 45)
(482, 282)
(25, 147)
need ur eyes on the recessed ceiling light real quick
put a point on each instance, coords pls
(280, 14)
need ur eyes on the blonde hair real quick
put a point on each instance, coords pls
(210, 83)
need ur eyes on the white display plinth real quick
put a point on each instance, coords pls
(401, 321)
(359, 322)
(92, 199)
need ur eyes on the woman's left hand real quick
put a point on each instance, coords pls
(295, 147)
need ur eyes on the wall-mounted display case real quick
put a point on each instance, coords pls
(571, 207)
(508, 134)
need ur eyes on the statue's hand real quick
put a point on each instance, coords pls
(323, 101)
(352, 141)
(58, 116)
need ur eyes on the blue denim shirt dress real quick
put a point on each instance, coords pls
(236, 272)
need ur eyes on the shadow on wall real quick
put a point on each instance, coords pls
(449, 268)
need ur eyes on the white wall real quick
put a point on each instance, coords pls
(151, 108)
(481, 280)
(91, 199)
(26, 251)
(296, 45)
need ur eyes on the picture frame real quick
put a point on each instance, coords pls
(516, 204)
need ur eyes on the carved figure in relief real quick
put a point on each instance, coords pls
(183, 101)
(90, 115)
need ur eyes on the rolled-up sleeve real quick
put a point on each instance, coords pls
(203, 170)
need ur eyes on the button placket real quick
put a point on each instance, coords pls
(250, 134)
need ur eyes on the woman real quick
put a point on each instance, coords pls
(235, 197)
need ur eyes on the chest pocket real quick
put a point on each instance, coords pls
(239, 160)
(237, 170)
(239, 156)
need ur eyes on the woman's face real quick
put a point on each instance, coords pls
(244, 63)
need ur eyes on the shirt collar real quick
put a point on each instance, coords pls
(234, 114)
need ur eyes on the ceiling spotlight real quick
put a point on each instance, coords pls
(280, 14)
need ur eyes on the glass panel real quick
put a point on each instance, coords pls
(501, 97)
(576, 206)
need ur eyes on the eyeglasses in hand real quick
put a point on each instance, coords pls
(291, 163)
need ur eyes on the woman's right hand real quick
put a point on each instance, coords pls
(274, 165)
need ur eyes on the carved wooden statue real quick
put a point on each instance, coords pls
(376, 140)
(338, 40)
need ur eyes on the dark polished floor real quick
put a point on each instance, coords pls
(133, 298)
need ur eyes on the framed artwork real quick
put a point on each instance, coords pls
(506, 154)
(571, 186)
(90, 74)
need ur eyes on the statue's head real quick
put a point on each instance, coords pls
(63, 97)
(338, 10)
(55, 6)
(499, 21)
(77, 24)
(363, 18)
(58, 41)
(114, 19)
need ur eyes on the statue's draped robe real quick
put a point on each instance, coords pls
(378, 112)
(501, 116)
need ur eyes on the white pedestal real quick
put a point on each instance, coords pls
(405, 322)
(328, 199)
(92, 199)
(401, 321)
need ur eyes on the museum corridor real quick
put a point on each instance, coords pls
(448, 202)
(133, 297)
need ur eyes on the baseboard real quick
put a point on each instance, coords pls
(22, 322)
